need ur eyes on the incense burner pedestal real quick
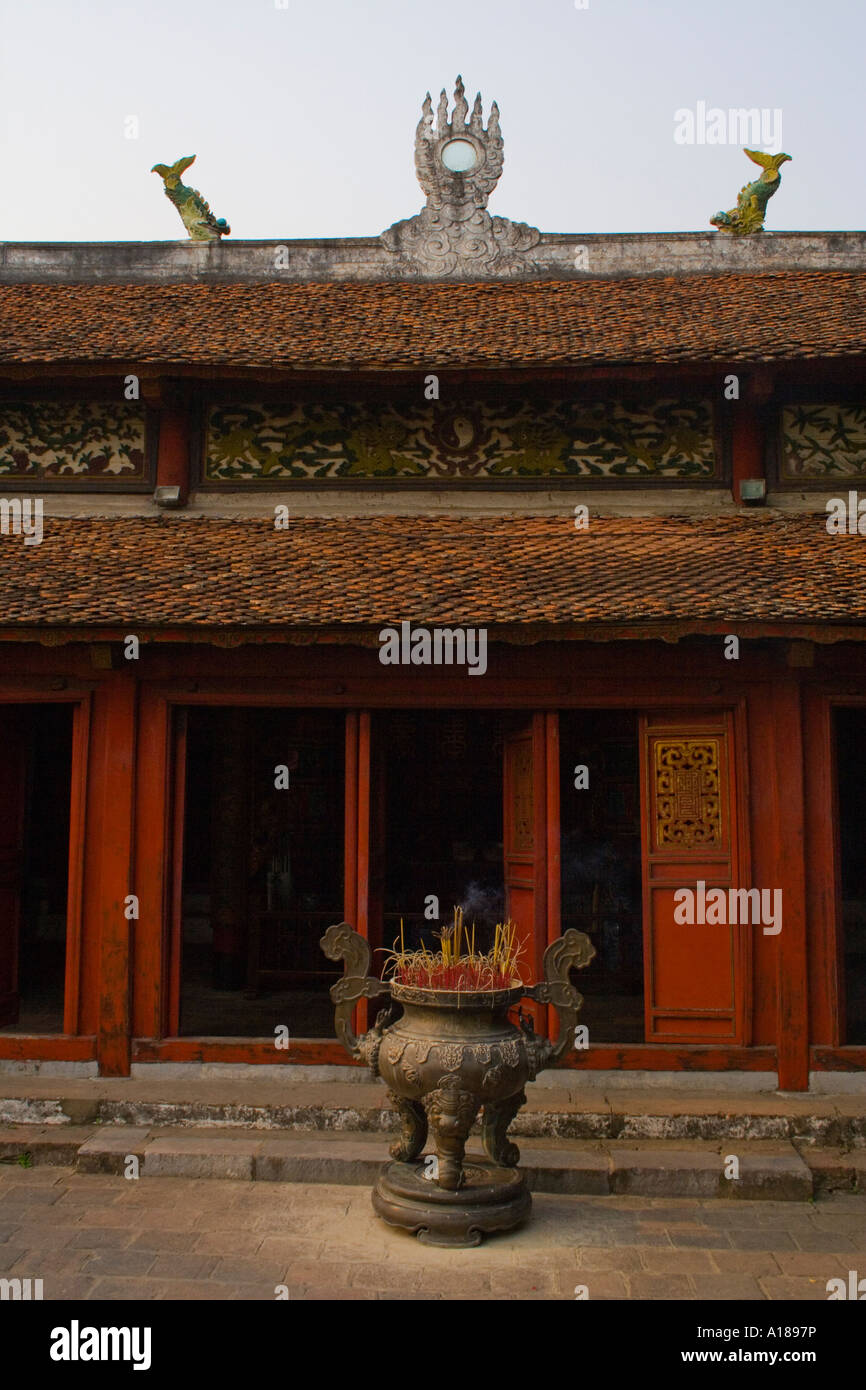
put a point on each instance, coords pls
(491, 1198)
(449, 1057)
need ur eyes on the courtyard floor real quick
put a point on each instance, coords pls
(106, 1237)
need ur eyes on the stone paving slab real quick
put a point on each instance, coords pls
(232, 1239)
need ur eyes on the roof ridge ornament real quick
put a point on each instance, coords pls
(194, 211)
(459, 164)
(748, 216)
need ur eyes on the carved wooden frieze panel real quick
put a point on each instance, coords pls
(687, 792)
(823, 440)
(471, 439)
(523, 822)
(82, 441)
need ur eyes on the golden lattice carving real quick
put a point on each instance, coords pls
(688, 803)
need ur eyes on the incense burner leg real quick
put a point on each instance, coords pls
(451, 1112)
(497, 1116)
(413, 1121)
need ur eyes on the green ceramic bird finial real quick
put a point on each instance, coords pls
(194, 211)
(748, 215)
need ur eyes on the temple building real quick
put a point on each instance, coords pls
(464, 564)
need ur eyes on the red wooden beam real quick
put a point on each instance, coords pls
(838, 1058)
(173, 450)
(57, 1047)
(661, 1057)
(305, 1050)
(612, 1056)
(747, 445)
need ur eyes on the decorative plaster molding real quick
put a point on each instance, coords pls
(454, 234)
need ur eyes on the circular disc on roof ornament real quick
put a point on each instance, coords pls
(459, 156)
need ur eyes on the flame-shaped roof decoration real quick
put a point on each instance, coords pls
(454, 234)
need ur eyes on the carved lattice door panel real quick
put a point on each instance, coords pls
(696, 973)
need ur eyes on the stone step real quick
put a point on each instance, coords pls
(360, 1106)
(764, 1170)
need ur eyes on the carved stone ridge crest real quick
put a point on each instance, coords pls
(458, 164)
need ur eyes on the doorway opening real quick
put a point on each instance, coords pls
(601, 865)
(35, 791)
(262, 871)
(850, 744)
(437, 824)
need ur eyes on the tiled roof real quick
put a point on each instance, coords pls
(723, 317)
(194, 572)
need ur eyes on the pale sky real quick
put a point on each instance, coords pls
(302, 112)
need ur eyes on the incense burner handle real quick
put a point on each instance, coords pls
(342, 942)
(572, 951)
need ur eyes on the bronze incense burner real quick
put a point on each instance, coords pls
(449, 1056)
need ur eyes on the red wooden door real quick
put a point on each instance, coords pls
(13, 771)
(696, 973)
(525, 848)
